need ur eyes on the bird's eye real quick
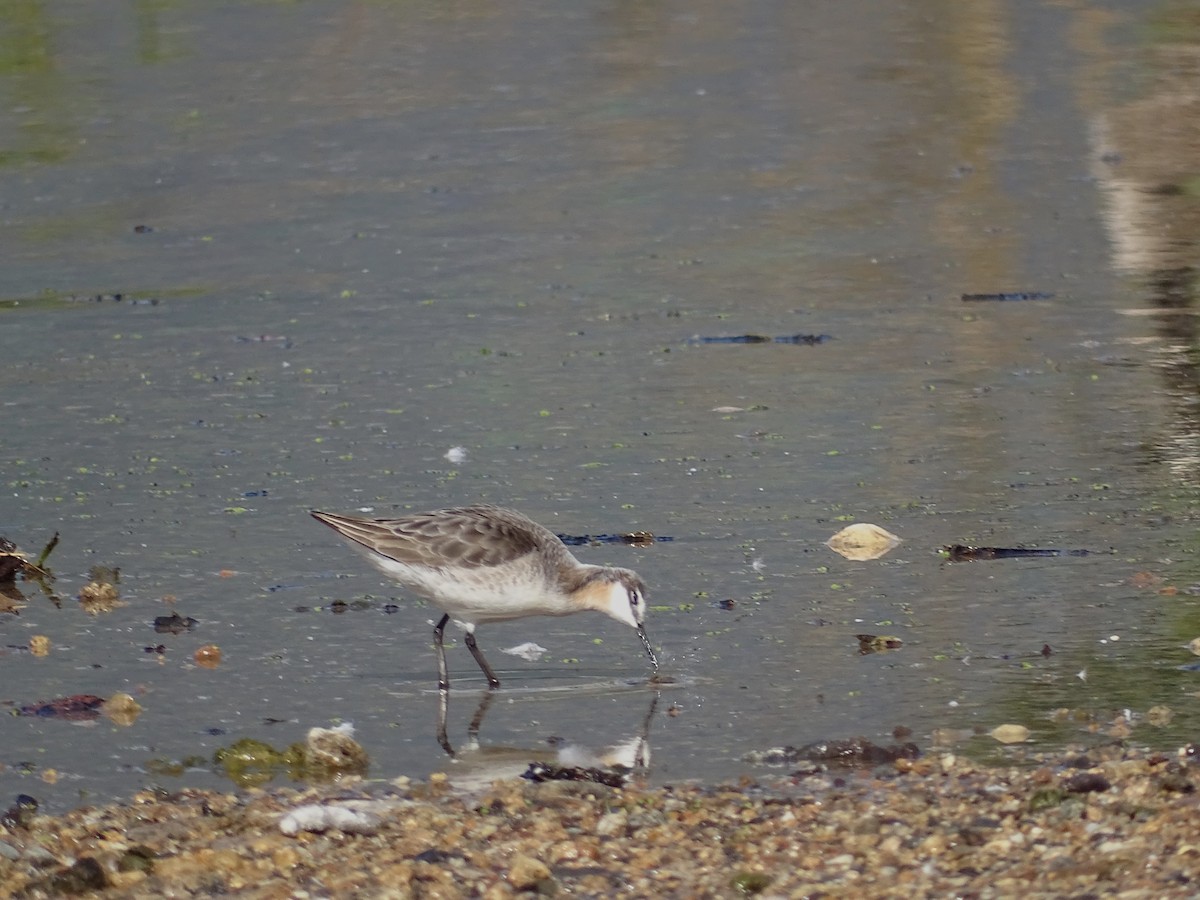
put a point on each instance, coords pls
(634, 599)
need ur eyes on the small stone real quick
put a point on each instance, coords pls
(1086, 783)
(1159, 716)
(122, 709)
(527, 873)
(85, 875)
(613, 823)
(750, 882)
(1010, 734)
(136, 859)
(39, 857)
(336, 749)
(863, 542)
(208, 656)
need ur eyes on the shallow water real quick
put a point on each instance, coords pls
(376, 232)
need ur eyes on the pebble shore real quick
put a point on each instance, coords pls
(1108, 822)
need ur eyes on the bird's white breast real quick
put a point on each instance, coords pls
(474, 595)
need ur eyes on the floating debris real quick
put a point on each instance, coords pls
(76, 708)
(111, 298)
(633, 538)
(863, 541)
(95, 298)
(859, 752)
(529, 651)
(640, 538)
(963, 553)
(250, 763)
(805, 339)
(13, 562)
(39, 645)
(97, 598)
(11, 599)
(539, 772)
(327, 753)
(100, 594)
(1007, 297)
(280, 339)
(872, 643)
(852, 753)
(174, 624)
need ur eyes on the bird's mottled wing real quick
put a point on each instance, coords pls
(472, 537)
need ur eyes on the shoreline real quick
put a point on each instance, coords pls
(1110, 822)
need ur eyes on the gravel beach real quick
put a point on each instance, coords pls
(1107, 822)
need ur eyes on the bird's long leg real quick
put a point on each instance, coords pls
(642, 759)
(438, 630)
(493, 681)
(443, 713)
(477, 719)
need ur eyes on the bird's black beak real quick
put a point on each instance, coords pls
(646, 643)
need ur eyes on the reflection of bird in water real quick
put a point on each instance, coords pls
(486, 564)
(475, 766)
